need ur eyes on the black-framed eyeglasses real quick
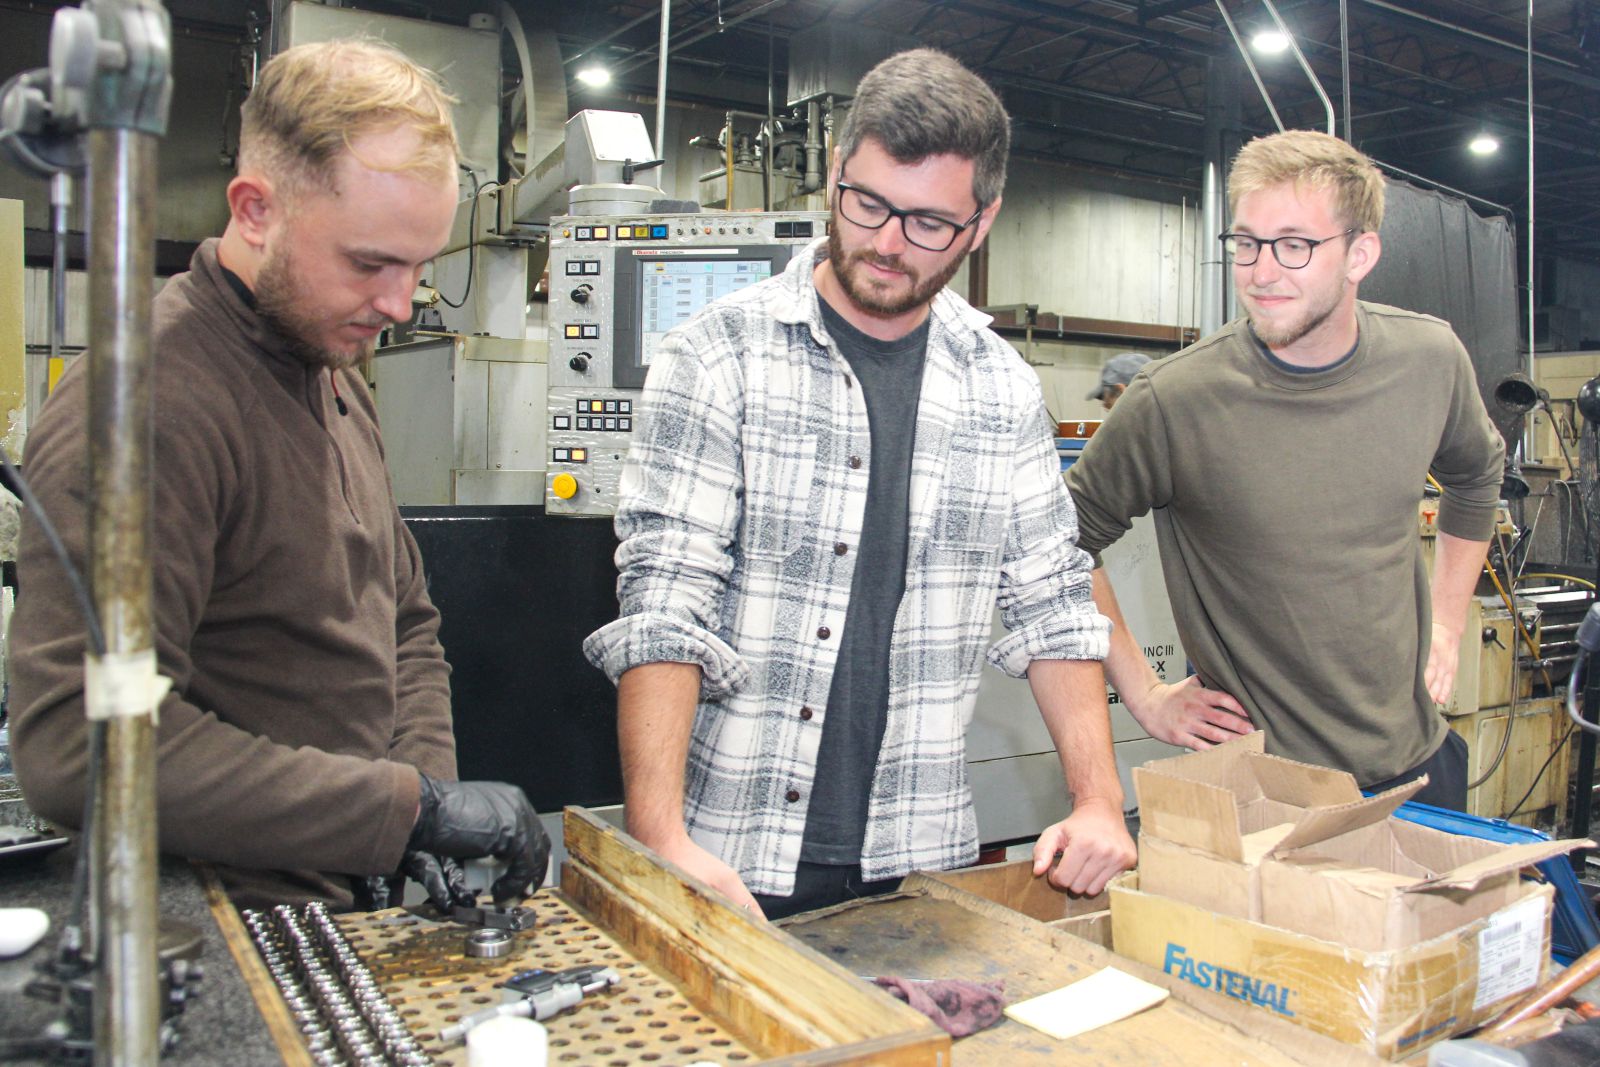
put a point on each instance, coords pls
(1291, 253)
(873, 212)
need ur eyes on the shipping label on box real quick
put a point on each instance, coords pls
(1391, 1003)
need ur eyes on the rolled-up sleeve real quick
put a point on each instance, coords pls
(678, 516)
(1045, 598)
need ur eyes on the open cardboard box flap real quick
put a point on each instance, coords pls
(1469, 874)
(1319, 824)
(1197, 800)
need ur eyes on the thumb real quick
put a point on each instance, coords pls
(425, 869)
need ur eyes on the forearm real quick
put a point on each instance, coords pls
(1457, 563)
(1126, 667)
(424, 733)
(655, 714)
(1071, 695)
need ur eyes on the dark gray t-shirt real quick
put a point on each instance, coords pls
(890, 374)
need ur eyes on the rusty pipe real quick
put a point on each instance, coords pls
(122, 170)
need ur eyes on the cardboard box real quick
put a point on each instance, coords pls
(1297, 847)
(1277, 883)
(1392, 1003)
(1013, 885)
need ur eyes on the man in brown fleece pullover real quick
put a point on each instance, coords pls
(306, 745)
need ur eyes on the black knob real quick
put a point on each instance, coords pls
(580, 362)
(580, 295)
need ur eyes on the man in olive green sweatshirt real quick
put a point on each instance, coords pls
(1284, 457)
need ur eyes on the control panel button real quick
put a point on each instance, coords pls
(561, 422)
(564, 486)
(625, 425)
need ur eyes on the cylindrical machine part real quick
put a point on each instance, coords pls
(813, 149)
(727, 157)
(60, 203)
(122, 172)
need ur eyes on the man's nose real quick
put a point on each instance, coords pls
(393, 301)
(1266, 269)
(890, 238)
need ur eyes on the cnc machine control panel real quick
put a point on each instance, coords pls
(618, 283)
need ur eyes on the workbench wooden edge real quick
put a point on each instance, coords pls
(1306, 1046)
(269, 1001)
(778, 994)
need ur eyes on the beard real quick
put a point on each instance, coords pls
(1284, 334)
(874, 298)
(278, 301)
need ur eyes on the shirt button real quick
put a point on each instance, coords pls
(824, 633)
(805, 714)
(792, 795)
(855, 463)
(840, 548)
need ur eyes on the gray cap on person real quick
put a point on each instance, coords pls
(1119, 370)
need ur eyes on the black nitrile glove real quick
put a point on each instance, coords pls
(440, 876)
(377, 892)
(467, 820)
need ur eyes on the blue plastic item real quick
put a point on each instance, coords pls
(1573, 930)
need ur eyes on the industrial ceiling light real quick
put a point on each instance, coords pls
(1483, 145)
(594, 76)
(1270, 42)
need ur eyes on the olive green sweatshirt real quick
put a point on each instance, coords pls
(1286, 512)
(290, 612)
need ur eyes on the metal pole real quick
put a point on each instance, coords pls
(60, 201)
(122, 171)
(661, 85)
(1344, 68)
(1222, 111)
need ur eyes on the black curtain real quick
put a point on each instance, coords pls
(1442, 258)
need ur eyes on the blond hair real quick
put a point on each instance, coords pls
(313, 101)
(1306, 157)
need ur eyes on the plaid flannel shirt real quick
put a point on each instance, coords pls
(740, 503)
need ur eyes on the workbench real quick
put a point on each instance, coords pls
(221, 1025)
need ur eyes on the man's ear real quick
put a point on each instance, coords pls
(985, 221)
(255, 207)
(1365, 251)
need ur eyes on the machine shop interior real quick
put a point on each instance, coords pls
(624, 163)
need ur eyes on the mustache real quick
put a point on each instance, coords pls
(868, 255)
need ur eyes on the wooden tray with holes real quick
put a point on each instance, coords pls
(424, 970)
(702, 982)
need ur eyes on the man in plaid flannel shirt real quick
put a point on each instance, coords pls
(839, 473)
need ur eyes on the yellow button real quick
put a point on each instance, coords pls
(564, 486)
